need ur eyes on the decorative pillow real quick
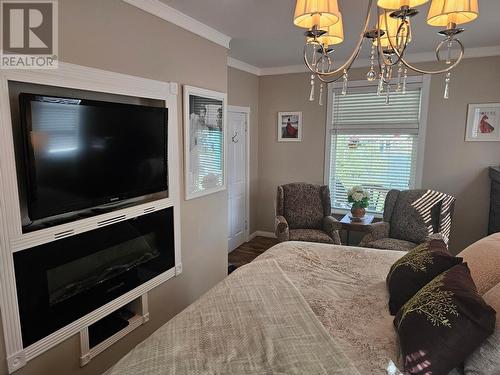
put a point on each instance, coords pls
(486, 359)
(441, 325)
(483, 258)
(415, 269)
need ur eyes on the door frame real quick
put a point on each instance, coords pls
(246, 111)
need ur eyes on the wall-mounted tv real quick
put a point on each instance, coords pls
(83, 153)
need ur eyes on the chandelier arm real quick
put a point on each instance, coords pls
(399, 54)
(406, 38)
(328, 81)
(381, 54)
(441, 71)
(386, 61)
(347, 65)
(401, 58)
(319, 76)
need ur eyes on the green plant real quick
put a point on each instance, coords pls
(358, 197)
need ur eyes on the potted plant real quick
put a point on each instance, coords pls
(359, 198)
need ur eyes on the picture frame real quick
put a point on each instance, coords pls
(483, 123)
(289, 126)
(205, 146)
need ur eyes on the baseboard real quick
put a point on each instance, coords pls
(261, 233)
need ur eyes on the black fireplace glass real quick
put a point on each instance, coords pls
(64, 280)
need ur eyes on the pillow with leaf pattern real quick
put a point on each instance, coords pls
(441, 325)
(415, 269)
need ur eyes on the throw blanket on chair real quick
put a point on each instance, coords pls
(253, 322)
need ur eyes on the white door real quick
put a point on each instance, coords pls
(237, 174)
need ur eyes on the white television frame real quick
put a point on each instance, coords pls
(12, 238)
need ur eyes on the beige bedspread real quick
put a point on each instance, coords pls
(253, 322)
(345, 287)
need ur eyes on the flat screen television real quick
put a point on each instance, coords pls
(83, 153)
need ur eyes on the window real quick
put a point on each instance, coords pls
(373, 144)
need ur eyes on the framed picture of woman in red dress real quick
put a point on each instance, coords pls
(289, 126)
(483, 122)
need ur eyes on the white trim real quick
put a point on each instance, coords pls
(11, 236)
(246, 111)
(261, 233)
(241, 65)
(422, 129)
(287, 69)
(191, 90)
(470, 52)
(141, 317)
(42, 236)
(172, 15)
(328, 128)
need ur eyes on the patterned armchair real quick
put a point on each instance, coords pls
(303, 214)
(410, 218)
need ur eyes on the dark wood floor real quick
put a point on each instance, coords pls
(250, 250)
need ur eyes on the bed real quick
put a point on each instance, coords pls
(298, 308)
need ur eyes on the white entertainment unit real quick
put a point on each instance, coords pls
(12, 238)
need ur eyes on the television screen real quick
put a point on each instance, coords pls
(84, 153)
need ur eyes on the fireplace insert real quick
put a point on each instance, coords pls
(61, 281)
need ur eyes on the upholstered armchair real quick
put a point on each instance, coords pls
(410, 218)
(303, 214)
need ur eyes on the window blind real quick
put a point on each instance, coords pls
(364, 109)
(372, 144)
(206, 142)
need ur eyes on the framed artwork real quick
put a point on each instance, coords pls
(483, 122)
(289, 126)
(204, 141)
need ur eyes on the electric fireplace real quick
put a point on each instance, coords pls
(61, 281)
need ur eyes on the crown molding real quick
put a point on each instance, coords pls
(471, 52)
(287, 69)
(169, 14)
(241, 65)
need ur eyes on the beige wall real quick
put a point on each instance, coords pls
(457, 167)
(243, 90)
(450, 164)
(283, 162)
(115, 36)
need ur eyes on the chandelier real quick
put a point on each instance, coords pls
(389, 39)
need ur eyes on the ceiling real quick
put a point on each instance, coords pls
(264, 36)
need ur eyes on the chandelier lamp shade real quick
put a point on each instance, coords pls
(398, 4)
(391, 27)
(388, 37)
(450, 13)
(334, 34)
(316, 13)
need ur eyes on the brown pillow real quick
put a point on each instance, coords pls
(443, 323)
(486, 359)
(483, 258)
(416, 269)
